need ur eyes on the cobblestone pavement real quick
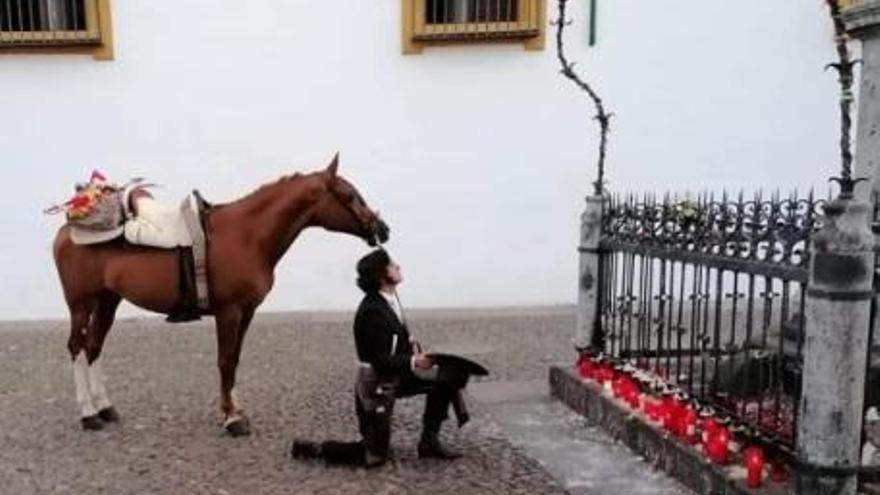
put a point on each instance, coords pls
(295, 379)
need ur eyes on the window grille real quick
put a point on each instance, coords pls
(53, 23)
(463, 11)
(441, 21)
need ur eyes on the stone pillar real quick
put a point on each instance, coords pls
(862, 21)
(838, 310)
(588, 275)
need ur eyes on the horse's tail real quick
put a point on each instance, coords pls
(62, 238)
(61, 252)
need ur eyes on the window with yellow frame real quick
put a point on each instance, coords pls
(65, 26)
(438, 22)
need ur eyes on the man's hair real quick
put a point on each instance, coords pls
(371, 270)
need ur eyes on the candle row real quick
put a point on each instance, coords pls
(676, 415)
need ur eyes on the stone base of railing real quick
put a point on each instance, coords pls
(660, 450)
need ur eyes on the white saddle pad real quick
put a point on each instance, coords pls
(80, 235)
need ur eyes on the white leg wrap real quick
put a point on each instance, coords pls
(232, 418)
(96, 386)
(81, 380)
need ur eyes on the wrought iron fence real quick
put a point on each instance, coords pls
(708, 293)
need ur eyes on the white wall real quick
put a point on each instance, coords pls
(477, 156)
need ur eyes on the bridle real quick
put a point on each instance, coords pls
(371, 225)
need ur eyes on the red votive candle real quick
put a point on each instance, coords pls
(723, 434)
(673, 415)
(709, 426)
(717, 447)
(753, 459)
(598, 372)
(617, 386)
(689, 425)
(716, 450)
(604, 374)
(586, 367)
(632, 394)
(665, 412)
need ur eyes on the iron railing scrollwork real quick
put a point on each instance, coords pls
(708, 293)
(764, 232)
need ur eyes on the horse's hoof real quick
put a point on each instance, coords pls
(92, 423)
(238, 427)
(109, 414)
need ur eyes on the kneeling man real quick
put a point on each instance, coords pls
(391, 365)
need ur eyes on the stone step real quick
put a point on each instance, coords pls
(584, 459)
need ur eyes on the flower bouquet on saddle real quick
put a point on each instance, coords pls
(97, 211)
(96, 205)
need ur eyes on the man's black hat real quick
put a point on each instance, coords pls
(371, 270)
(463, 364)
(456, 370)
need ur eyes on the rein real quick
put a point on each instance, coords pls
(350, 210)
(400, 307)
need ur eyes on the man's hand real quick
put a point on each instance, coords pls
(422, 361)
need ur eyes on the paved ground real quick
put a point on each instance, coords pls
(578, 454)
(294, 380)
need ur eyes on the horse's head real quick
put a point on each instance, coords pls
(344, 209)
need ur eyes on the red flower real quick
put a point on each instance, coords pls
(80, 201)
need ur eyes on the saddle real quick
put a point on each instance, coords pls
(193, 262)
(156, 226)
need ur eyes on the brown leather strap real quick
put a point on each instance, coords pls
(193, 219)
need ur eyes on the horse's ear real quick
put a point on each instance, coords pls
(331, 169)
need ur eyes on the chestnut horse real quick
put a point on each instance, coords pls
(247, 238)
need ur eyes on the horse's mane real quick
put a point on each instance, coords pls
(270, 187)
(281, 180)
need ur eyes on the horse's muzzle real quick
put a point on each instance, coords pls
(380, 233)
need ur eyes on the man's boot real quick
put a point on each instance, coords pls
(430, 447)
(459, 407)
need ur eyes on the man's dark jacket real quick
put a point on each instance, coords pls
(381, 339)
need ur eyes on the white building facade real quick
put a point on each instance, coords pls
(477, 154)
